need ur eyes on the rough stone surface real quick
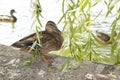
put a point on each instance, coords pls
(11, 68)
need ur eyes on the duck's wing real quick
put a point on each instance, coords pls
(26, 41)
(29, 40)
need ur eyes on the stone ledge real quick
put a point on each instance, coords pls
(11, 69)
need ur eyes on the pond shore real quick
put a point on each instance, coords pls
(11, 68)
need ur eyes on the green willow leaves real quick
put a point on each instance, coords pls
(80, 40)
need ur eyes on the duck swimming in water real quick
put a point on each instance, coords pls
(8, 18)
(104, 37)
(51, 39)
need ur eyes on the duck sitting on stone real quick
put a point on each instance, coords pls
(8, 18)
(104, 37)
(51, 39)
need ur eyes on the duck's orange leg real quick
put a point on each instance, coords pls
(46, 58)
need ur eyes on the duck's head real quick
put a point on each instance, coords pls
(51, 27)
(12, 11)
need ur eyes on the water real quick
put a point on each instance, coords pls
(51, 10)
(101, 23)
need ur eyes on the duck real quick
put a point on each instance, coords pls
(8, 18)
(51, 40)
(105, 37)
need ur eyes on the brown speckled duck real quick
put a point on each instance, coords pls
(104, 37)
(7, 18)
(51, 39)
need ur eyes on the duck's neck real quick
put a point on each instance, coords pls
(11, 14)
(13, 17)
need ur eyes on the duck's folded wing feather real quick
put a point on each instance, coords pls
(25, 41)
